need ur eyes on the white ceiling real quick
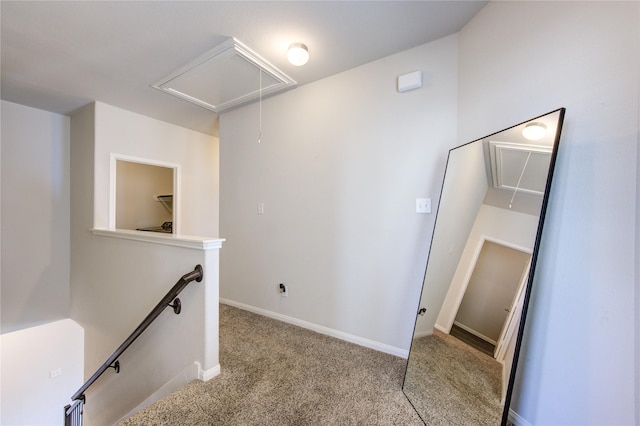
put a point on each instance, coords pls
(59, 56)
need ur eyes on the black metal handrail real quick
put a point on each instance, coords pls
(78, 398)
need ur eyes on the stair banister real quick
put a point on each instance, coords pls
(78, 398)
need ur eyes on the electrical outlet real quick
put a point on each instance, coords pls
(260, 208)
(284, 292)
(55, 373)
(423, 205)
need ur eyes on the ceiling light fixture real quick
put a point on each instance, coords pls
(298, 54)
(534, 131)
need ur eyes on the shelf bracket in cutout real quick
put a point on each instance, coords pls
(166, 200)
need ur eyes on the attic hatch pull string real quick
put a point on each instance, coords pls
(520, 179)
(260, 108)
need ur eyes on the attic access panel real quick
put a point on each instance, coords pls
(227, 76)
(520, 167)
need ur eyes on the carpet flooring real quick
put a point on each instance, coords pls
(472, 340)
(451, 383)
(275, 373)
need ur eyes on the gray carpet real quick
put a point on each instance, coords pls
(274, 373)
(451, 383)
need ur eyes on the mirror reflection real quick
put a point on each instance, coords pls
(480, 268)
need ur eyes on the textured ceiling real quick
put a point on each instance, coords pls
(59, 56)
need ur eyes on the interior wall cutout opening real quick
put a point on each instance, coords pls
(144, 197)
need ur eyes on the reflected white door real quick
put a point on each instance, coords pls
(509, 330)
(491, 290)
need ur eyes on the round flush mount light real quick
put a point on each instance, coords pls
(298, 54)
(534, 131)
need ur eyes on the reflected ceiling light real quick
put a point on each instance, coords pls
(534, 131)
(298, 54)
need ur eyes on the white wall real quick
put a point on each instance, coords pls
(125, 133)
(31, 394)
(522, 59)
(637, 273)
(340, 165)
(116, 282)
(35, 216)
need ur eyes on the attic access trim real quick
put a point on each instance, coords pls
(519, 167)
(226, 76)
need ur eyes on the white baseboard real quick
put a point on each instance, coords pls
(517, 419)
(371, 344)
(441, 328)
(420, 334)
(187, 375)
(206, 375)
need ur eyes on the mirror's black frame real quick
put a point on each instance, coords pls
(534, 257)
(534, 262)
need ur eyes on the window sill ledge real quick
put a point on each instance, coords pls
(187, 241)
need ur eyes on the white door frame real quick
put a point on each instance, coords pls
(447, 323)
(513, 319)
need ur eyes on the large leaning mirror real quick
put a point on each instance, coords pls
(479, 273)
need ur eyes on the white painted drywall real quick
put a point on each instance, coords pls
(340, 165)
(522, 59)
(125, 133)
(116, 282)
(35, 216)
(30, 395)
(637, 269)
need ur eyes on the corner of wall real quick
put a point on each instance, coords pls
(637, 249)
(35, 216)
(82, 190)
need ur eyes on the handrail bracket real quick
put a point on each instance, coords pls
(177, 306)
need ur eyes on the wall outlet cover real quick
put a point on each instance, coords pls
(423, 205)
